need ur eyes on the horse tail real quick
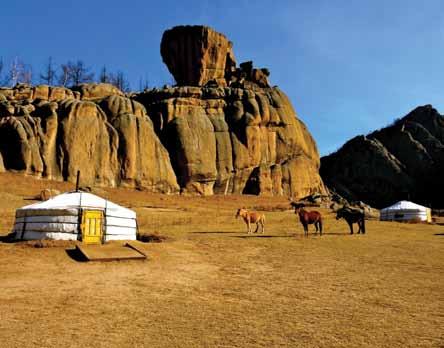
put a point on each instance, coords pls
(263, 223)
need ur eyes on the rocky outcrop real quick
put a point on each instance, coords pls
(27, 92)
(248, 76)
(402, 161)
(223, 129)
(142, 159)
(113, 148)
(88, 91)
(232, 140)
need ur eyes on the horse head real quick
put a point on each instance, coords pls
(240, 212)
(345, 212)
(340, 213)
(297, 206)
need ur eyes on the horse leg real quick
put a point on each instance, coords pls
(306, 230)
(248, 227)
(257, 227)
(351, 227)
(263, 227)
(320, 226)
(363, 225)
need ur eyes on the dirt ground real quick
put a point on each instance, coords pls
(212, 285)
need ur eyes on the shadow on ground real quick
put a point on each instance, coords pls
(76, 255)
(215, 232)
(9, 238)
(263, 236)
(337, 234)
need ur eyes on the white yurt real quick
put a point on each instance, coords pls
(406, 211)
(75, 216)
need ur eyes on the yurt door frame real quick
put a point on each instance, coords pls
(92, 226)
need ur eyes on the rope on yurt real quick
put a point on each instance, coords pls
(24, 226)
(79, 217)
(105, 225)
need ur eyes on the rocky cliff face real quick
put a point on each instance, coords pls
(402, 161)
(233, 140)
(223, 129)
(111, 140)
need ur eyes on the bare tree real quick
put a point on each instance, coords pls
(3, 80)
(50, 74)
(75, 73)
(144, 83)
(19, 72)
(80, 73)
(14, 70)
(104, 75)
(65, 74)
(25, 75)
(120, 81)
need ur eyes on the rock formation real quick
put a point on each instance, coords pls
(196, 55)
(54, 139)
(232, 140)
(222, 129)
(402, 161)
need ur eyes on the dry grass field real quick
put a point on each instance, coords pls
(209, 284)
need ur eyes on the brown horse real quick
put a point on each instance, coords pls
(308, 217)
(252, 217)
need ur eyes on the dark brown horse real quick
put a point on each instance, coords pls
(308, 217)
(352, 216)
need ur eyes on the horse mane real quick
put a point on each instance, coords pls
(297, 205)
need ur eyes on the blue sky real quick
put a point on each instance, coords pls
(349, 67)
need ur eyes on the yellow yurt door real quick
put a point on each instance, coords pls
(92, 226)
(429, 215)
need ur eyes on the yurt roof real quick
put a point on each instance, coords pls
(405, 205)
(84, 200)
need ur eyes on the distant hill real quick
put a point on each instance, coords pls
(402, 161)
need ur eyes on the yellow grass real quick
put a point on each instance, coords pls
(212, 285)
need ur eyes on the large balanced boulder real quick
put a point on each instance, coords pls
(196, 55)
(402, 161)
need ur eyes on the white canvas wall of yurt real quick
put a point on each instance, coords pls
(71, 215)
(406, 211)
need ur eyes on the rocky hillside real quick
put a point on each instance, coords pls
(222, 129)
(402, 161)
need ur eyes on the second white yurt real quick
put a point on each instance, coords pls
(406, 211)
(76, 216)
